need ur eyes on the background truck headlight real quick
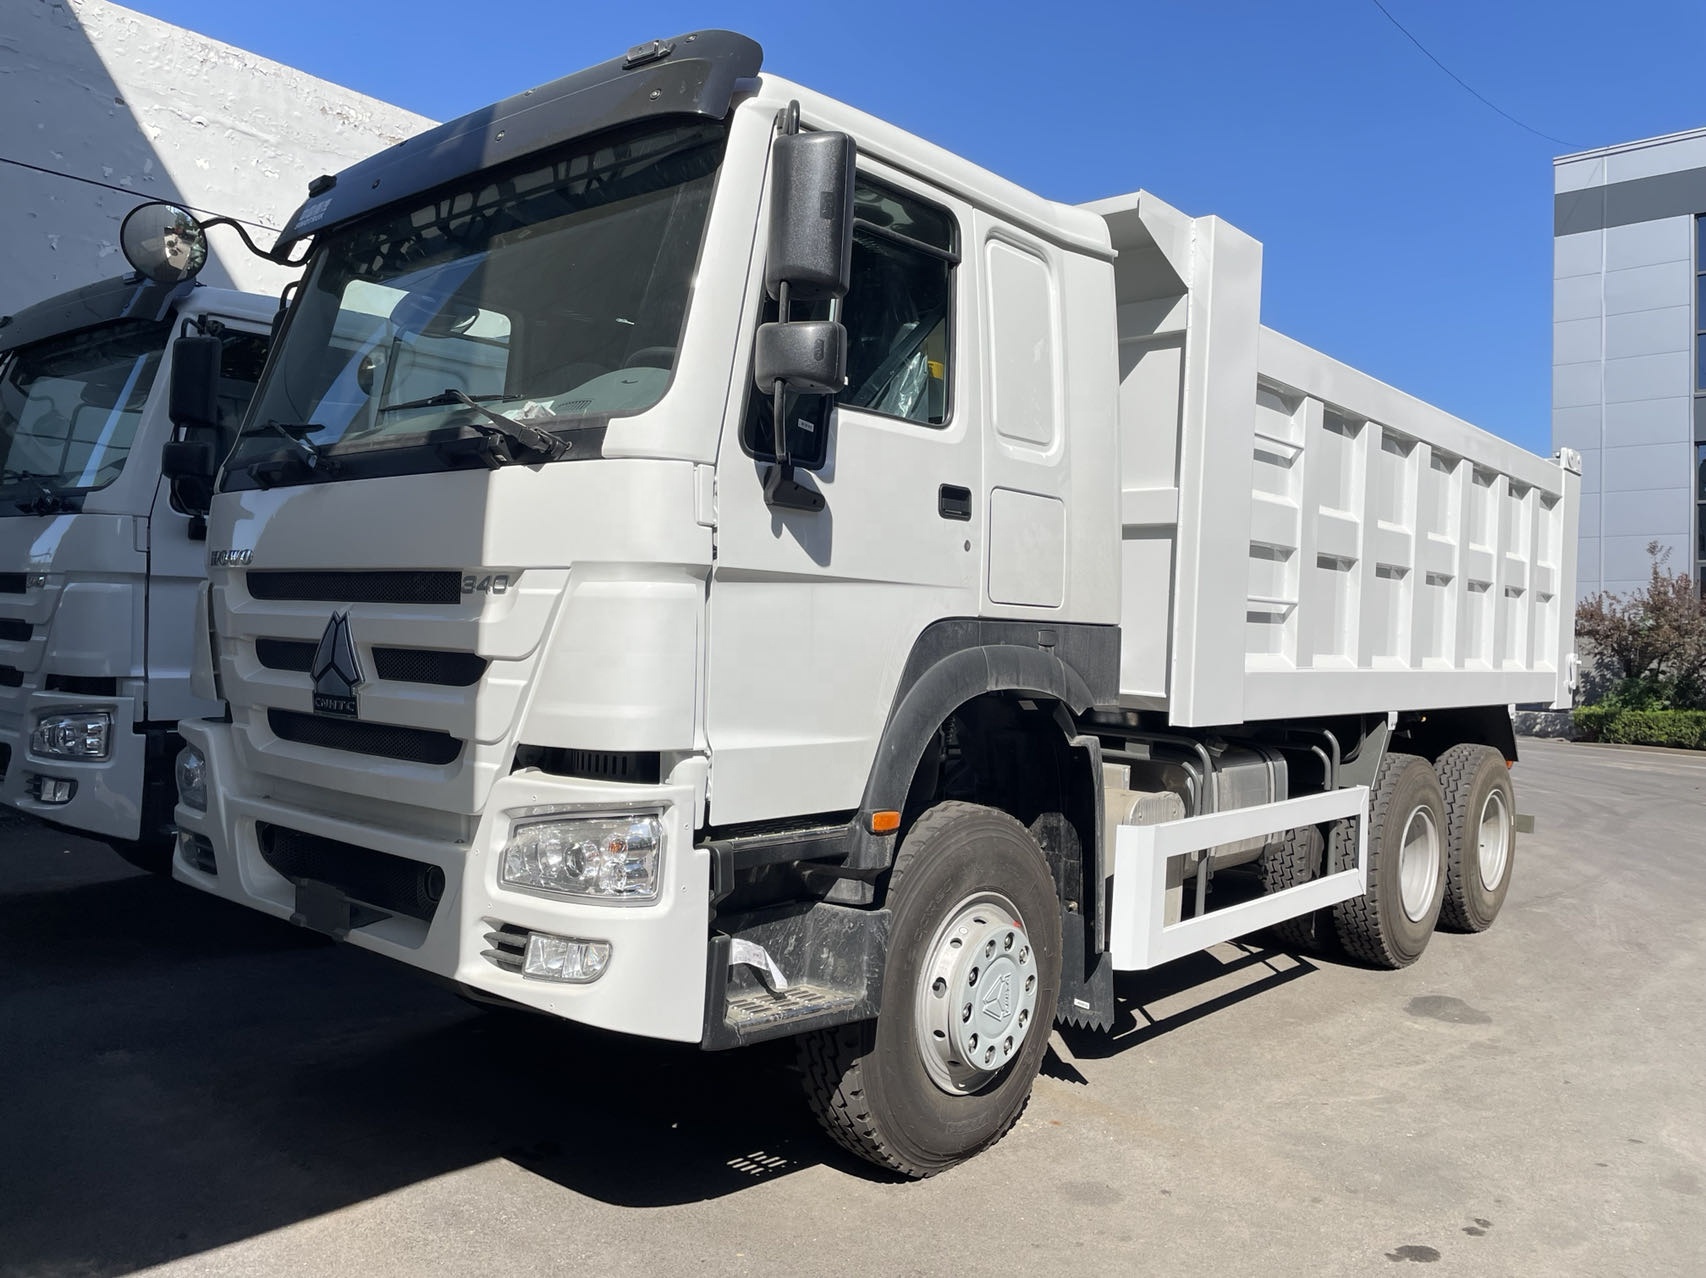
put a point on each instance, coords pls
(609, 858)
(192, 779)
(72, 736)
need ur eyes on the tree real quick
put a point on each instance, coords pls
(1651, 641)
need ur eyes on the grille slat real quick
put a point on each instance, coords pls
(387, 740)
(400, 665)
(357, 587)
(509, 947)
(394, 884)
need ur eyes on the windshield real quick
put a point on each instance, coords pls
(69, 409)
(550, 295)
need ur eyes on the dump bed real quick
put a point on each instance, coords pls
(1300, 539)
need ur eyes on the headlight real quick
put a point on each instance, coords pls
(192, 779)
(606, 857)
(72, 736)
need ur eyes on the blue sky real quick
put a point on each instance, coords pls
(1406, 227)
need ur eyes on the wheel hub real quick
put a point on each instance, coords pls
(977, 994)
(1493, 840)
(1418, 864)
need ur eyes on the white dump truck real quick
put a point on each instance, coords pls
(709, 564)
(99, 567)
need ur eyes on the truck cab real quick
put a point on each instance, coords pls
(98, 567)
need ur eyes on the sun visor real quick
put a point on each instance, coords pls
(695, 75)
(108, 302)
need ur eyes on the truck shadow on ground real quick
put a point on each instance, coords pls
(177, 1073)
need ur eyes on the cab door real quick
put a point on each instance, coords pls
(813, 614)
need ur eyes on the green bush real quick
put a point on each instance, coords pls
(1682, 729)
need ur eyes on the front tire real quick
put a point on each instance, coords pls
(1389, 926)
(154, 856)
(969, 992)
(1480, 815)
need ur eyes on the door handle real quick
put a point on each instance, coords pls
(953, 502)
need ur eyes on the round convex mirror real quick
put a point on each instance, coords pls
(164, 242)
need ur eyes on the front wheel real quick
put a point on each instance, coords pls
(969, 994)
(152, 855)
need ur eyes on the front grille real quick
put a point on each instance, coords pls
(5, 760)
(83, 685)
(286, 654)
(357, 587)
(401, 665)
(12, 583)
(422, 665)
(394, 884)
(11, 677)
(388, 741)
(509, 946)
(14, 631)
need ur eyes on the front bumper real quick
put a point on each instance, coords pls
(108, 796)
(655, 982)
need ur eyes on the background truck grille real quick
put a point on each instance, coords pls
(357, 587)
(11, 677)
(14, 631)
(11, 583)
(394, 884)
(402, 665)
(388, 741)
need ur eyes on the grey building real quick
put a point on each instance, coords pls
(1629, 352)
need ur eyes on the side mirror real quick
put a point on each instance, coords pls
(811, 218)
(164, 242)
(807, 357)
(187, 459)
(194, 401)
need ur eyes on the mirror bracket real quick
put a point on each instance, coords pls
(782, 490)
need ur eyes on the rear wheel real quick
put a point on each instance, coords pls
(1480, 816)
(969, 994)
(1390, 924)
(1292, 860)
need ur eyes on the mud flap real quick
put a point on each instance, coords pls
(1086, 979)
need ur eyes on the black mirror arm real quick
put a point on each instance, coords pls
(271, 255)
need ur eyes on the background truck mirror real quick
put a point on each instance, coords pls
(811, 218)
(807, 357)
(195, 382)
(187, 459)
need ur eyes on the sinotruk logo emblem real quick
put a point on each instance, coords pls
(335, 670)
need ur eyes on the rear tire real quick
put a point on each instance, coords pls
(1389, 926)
(1295, 859)
(920, 1088)
(1480, 819)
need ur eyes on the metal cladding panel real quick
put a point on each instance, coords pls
(699, 77)
(1322, 543)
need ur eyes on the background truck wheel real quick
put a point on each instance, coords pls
(1480, 845)
(1294, 859)
(969, 993)
(1390, 925)
(152, 855)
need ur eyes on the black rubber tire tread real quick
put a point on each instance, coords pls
(1371, 927)
(1464, 773)
(152, 856)
(834, 1063)
(1293, 860)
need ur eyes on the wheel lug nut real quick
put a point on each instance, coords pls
(1007, 1047)
(972, 979)
(965, 1012)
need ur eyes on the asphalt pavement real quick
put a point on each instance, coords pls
(186, 1084)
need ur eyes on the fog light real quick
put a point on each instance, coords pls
(606, 857)
(197, 852)
(561, 958)
(192, 779)
(55, 789)
(72, 736)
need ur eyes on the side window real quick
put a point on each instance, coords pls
(898, 310)
(898, 314)
(241, 358)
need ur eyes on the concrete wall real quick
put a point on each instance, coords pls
(98, 91)
(1623, 355)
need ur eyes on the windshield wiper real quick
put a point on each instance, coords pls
(528, 439)
(48, 503)
(309, 456)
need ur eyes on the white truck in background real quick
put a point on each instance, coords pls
(555, 667)
(98, 568)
